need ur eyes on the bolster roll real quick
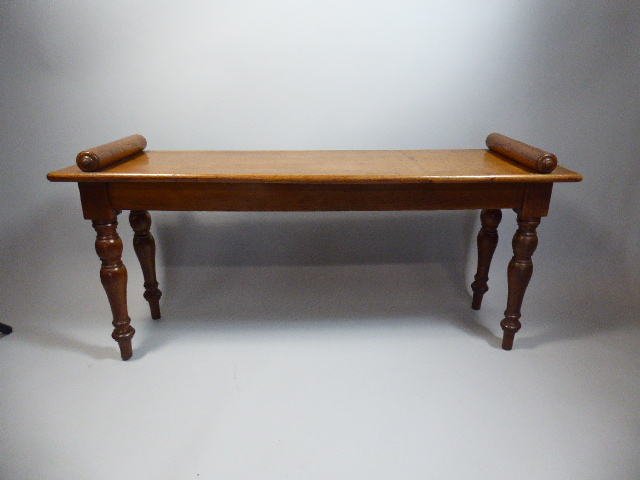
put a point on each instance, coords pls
(532, 157)
(102, 156)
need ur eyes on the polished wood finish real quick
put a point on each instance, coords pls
(529, 156)
(313, 181)
(487, 242)
(100, 157)
(96, 201)
(113, 275)
(283, 197)
(306, 167)
(145, 247)
(537, 197)
(519, 273)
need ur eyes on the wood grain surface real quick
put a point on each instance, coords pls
(331, 166)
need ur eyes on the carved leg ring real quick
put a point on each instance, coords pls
(113, 275)
(145, 247)
(487, 242)
(519, 273)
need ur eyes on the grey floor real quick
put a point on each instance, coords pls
(344, 371)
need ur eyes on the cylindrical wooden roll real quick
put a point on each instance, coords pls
(532, 157)
(102, 156)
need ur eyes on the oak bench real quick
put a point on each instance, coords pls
(121, 175)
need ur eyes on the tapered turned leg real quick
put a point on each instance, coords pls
(145, 247)
(519, 273)
(113, 275)
(487, 242)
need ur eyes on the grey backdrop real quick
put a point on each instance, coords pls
(321, 345)
(314, 75)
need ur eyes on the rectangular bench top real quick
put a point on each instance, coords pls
(317, 166)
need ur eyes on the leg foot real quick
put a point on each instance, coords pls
(124, 342)
(113, 275)
(509, 327)
(519, 273)
(487, 242)
(145, 246)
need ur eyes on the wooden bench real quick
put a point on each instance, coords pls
(121, 175)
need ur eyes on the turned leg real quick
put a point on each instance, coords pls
(487, 242)
(113, 275)
(519, 273)
(145, 247)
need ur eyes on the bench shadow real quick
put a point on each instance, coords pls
(280, 300)
(284, 271)
(47, 338)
